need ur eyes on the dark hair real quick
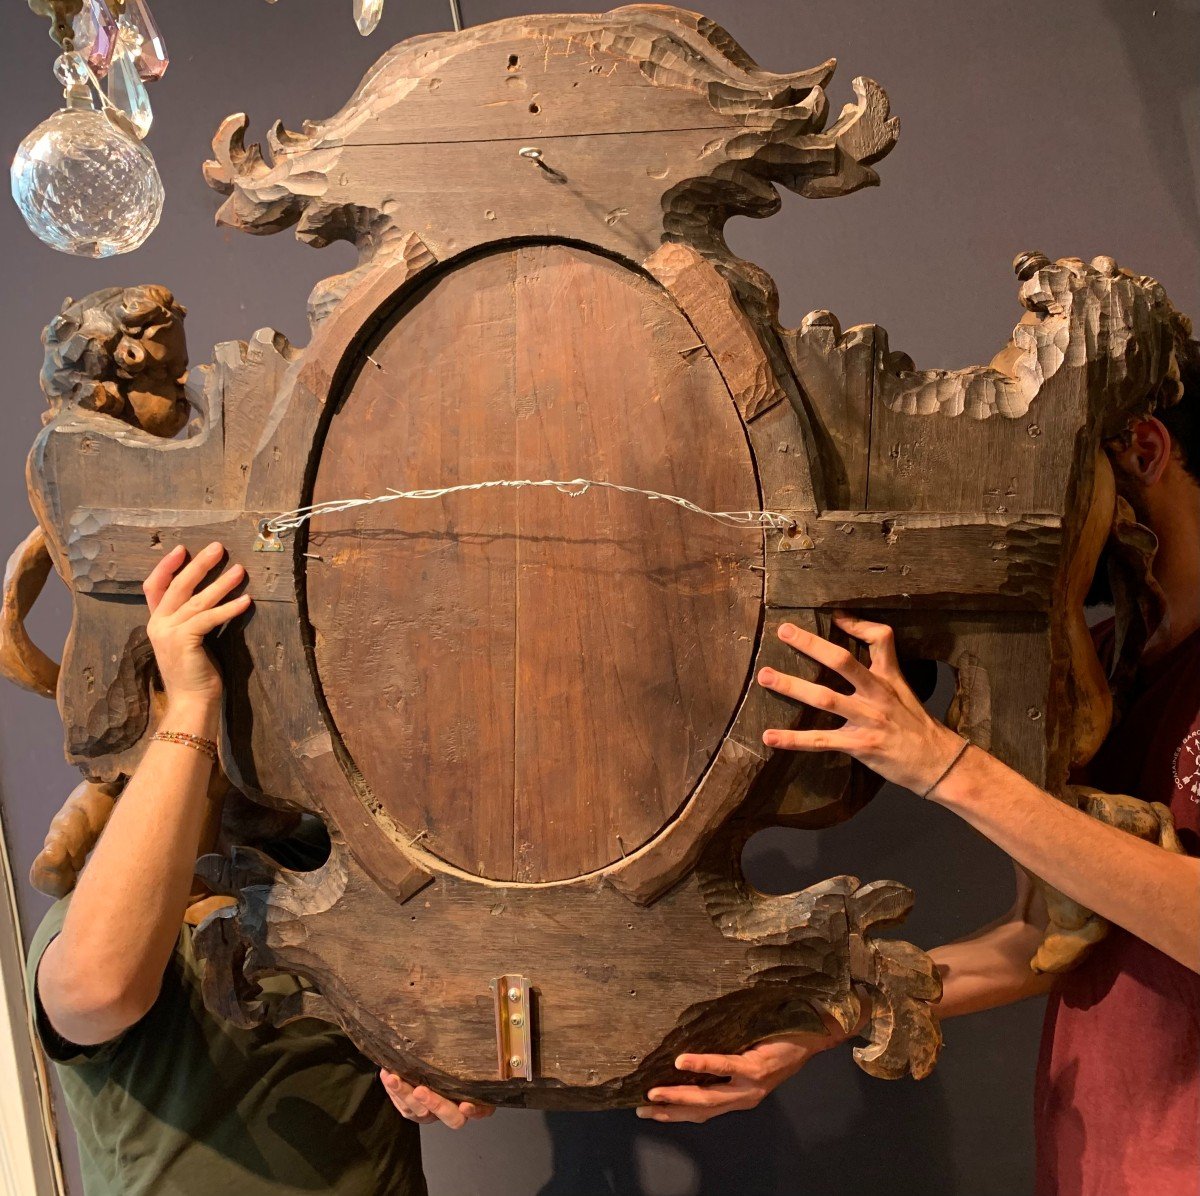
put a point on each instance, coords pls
(1177, 406)
(1182, 418)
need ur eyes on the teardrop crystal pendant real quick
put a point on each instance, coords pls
(152, 58)
(125, 87)
(367, 14)
(95, 32)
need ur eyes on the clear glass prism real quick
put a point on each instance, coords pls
(367, 14)
(125, 86)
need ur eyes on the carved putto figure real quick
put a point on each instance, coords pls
(120, 352)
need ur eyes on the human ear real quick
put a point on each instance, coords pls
(1144, 455)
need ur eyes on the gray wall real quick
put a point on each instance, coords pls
(1071, 128)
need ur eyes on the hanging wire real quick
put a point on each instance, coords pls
(456, 15)
(291, 520)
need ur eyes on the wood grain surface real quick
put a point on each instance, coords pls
(525, 717)
(532, 682)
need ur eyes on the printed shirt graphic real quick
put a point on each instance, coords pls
(1118, 1088)
(1186, 766)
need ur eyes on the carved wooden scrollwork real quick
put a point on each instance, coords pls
(21, 661)
(529, 722)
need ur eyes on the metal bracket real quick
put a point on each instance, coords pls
(62, 14)
(267, 540)
(514, 1027)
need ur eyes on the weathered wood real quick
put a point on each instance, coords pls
(21, 661)
(851, 558)
(529, 720)
(836, 373)
(73, 832)
(428, 1012)
(110, 552)
(120, 352)
(1073, 928)
(443, 705)
(693, 132)
(1091, 698)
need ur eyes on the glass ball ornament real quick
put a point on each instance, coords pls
(84, 182)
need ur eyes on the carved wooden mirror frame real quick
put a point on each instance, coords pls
(964, 507)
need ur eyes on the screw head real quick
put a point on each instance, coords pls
(514, 994)
(516, 1063)
(516, 1020)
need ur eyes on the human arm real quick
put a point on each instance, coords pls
(990, 968)
(982, 971)
(1152, 893)
(749, 1078)
(103, 972)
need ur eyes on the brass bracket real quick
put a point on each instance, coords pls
(267, 540)
(62, 14)
(514, 1027)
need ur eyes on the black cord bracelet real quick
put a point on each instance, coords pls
(966, 743)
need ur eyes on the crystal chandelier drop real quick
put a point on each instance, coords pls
(122, 40)
(367, 15)
(82, 179)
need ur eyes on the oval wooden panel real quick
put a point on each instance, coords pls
(534, 683)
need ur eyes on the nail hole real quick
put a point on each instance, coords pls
(513, 62)
(534, 108)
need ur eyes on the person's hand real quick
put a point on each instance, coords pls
(886, 727)
(424, 1106)
(180, 618)
(753, 1075)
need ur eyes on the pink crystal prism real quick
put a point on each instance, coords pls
(95, 32)
(152, 58)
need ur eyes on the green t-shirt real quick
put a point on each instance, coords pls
(184, 1104)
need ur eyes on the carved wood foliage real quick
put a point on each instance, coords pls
(73, 832)
(1074, 928)
(653, 126)
(538, 207)
(21, 660)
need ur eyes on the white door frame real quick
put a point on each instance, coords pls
(30, 1164)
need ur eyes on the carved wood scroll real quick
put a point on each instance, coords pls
(529, 721)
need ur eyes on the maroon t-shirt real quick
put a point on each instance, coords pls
(1118, 1085)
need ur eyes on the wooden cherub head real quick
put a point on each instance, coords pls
(121, 352)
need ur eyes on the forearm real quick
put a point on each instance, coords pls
(104, 970)
(1152, 893)
(989, 969)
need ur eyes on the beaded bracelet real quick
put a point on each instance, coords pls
(197, 742)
